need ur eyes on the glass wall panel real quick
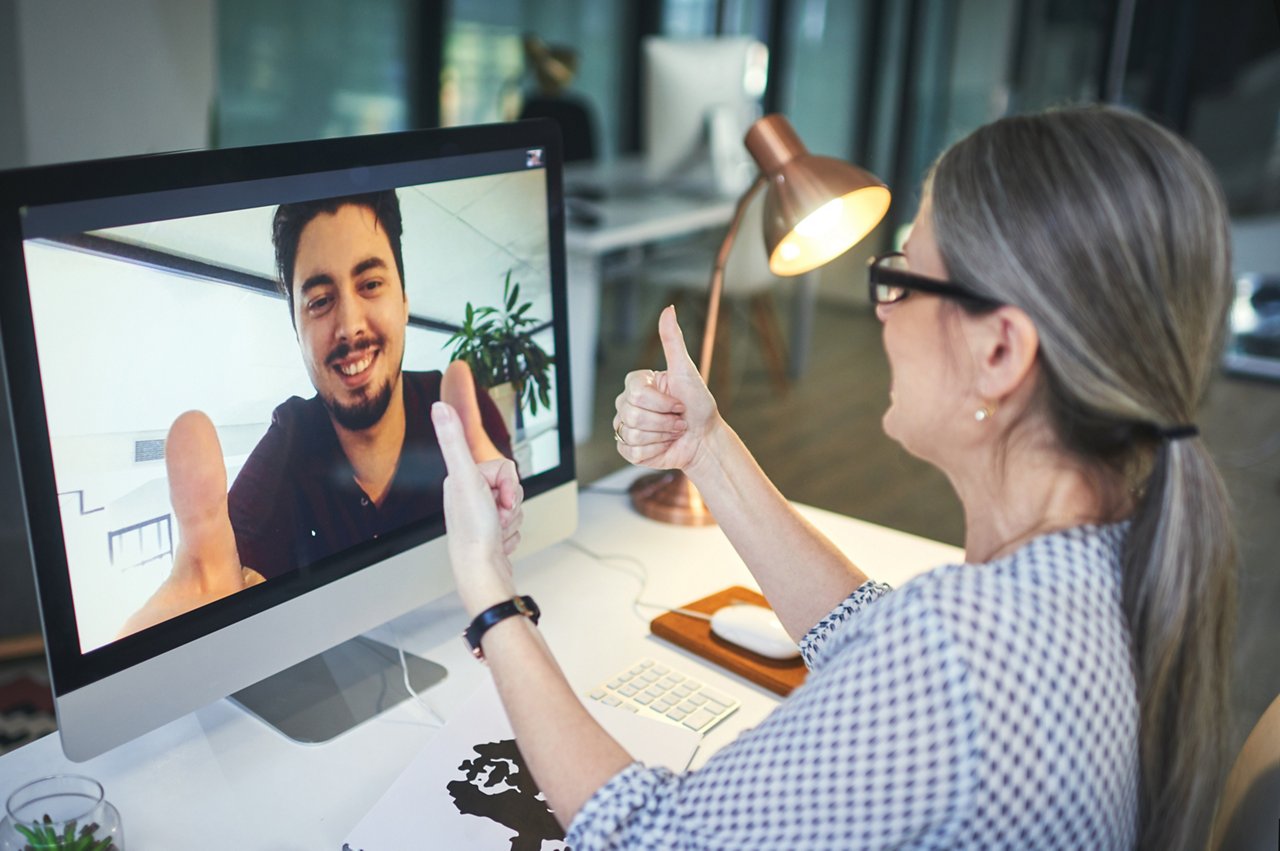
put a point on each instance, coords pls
(821, 87)
(308, 69)
(485, 77)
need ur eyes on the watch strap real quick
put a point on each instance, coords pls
(496, 614)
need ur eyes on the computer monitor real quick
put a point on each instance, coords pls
(700, 96)
(134, 290)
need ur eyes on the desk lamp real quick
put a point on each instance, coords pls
(816, 208)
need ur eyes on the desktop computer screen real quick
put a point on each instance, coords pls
(221, 366)
(700, 96)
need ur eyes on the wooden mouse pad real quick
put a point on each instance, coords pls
(694, 635)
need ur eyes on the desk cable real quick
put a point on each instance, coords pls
(614, 561)
(436, 719)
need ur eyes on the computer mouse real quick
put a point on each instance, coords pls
(754, 628)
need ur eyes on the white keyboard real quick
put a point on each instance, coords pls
(657, 691)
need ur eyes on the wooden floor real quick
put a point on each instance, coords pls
(822, 444)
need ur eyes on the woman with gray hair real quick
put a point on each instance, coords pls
(1051, 326)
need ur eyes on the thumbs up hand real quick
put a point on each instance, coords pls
(664, 417)
(481, 504)
(206, 566)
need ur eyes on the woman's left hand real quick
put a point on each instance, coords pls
(483, 511)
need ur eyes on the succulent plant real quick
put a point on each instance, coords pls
(44, 836)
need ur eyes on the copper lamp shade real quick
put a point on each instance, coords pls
(815, 209)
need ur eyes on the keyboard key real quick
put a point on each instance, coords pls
(699, 719)
(722, 699)
(659, 692)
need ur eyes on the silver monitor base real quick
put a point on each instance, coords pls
(326, 695)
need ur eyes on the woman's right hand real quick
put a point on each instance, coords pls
(664, 418)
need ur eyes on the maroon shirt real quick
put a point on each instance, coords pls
(296, 500)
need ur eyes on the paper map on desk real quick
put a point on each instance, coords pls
(469, 787)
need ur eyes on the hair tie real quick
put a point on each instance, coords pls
(1177, 432)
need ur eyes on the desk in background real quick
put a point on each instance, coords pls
(220, 779)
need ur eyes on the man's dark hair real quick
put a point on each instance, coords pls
(291, 219)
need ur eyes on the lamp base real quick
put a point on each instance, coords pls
(669, 497)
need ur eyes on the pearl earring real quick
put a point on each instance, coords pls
(983, 413)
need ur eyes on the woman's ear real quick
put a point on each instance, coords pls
(1005, 344)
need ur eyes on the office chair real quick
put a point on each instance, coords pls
(1248, 814)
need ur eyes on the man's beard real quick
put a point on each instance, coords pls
(369, 411)
(363, 414)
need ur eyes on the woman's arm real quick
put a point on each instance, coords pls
(565, 748)
(669, 420)
(567, 751)
(803, 575)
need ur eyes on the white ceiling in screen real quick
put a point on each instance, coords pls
(460, 239)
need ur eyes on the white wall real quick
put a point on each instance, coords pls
(100, 79)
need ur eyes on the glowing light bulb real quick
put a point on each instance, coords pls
(822, 220)
(789, 251)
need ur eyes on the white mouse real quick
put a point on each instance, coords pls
(754, 628)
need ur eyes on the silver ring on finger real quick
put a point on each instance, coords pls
(617, 434)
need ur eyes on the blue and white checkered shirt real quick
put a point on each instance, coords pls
(978, 706)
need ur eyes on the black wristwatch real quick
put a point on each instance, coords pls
(492, 615)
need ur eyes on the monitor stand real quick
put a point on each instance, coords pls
(328, 694)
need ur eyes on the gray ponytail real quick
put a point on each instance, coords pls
(1111, 233)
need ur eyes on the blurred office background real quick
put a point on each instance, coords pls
(887, 84)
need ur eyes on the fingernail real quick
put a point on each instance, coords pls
(678, 408)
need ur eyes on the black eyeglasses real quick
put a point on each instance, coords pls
(890, 281)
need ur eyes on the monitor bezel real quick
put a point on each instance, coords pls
(102, 179)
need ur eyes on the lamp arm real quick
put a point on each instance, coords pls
(717, 279)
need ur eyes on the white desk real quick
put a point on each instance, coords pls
(220, 779)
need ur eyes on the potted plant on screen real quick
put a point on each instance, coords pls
(497, 343)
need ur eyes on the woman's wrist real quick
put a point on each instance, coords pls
(479, 594)
(710, 450)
